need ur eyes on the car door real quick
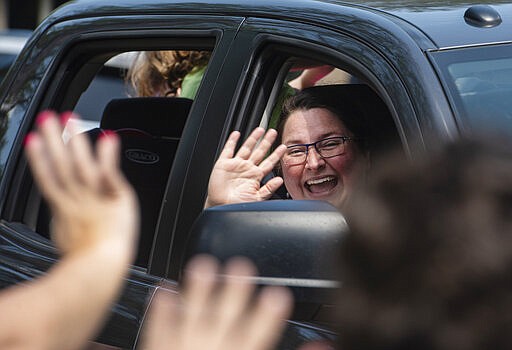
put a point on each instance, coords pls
(272, 50)
(60, 70)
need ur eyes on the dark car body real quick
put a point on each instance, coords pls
(439, 76)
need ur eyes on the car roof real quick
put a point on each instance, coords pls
(442, 22)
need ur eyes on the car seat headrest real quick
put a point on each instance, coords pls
(158, 116)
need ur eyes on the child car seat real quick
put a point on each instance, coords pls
(150, 129)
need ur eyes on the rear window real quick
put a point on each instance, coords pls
(479, 83)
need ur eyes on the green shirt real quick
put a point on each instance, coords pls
(191, 82)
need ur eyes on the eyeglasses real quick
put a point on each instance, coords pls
(326, 148)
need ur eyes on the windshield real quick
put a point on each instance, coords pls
(479, 83)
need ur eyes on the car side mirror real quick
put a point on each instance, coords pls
(293, 243)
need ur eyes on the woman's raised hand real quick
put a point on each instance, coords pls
(236, 178)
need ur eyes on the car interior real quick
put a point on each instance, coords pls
(151, 127)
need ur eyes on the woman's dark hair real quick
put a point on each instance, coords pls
(359, 108)
(349, 102)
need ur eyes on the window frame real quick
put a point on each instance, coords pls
(216, 33)
(254, 83)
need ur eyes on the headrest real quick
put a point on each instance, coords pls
(158, 116)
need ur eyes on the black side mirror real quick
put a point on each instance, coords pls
(293, 243)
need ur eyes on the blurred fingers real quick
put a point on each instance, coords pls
(108, 150)
(268, 319)
(81, 153)
(40, 166)
(235, 294)
(50, 130)
(199, 285)
(67, 169)
(162, 324)
(317, 345)
(218, 315)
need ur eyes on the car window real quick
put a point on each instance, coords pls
(149, 124)
(112, 81)
(479, 81)
(68, 71)
(300, 75)
(279, 72)
(301, 72)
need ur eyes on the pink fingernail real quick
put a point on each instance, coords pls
(106, 134)
(65, 117)
(43, 116)
(30, 136)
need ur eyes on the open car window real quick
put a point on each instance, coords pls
(122, 76)
(297, 73)
(104, 95)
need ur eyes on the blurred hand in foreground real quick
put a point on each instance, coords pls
(218, 311)
(94, 225)
(90, 200)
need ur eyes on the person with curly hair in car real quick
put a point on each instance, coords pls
(168, 73)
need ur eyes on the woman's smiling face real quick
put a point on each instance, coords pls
(330, 179)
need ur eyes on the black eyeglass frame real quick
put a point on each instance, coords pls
(344, 138)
